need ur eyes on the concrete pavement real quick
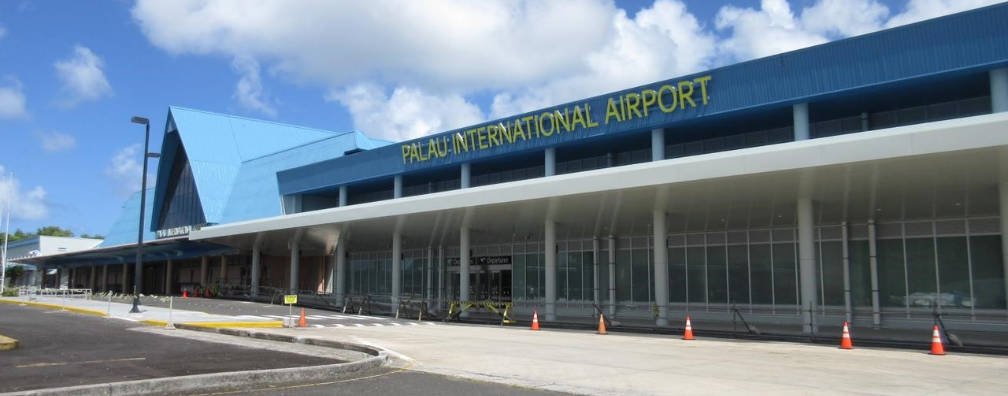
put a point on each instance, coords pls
(583, 362)
(101, 306)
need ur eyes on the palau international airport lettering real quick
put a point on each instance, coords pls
(666, 98)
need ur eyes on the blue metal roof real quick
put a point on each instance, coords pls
(124, 230)
(234, 161)
(965, 42)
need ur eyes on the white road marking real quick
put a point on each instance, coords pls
(359, 324)
(318, 326)
(378, 325)
(396, 324)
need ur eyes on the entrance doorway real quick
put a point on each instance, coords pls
(486, 282)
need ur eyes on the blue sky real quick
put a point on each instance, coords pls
(73, 73)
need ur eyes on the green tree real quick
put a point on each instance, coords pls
(13, 273)
(47, 231)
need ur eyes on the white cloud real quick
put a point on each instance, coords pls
(660, 42)
(772, 29)
(12, 100)
(3, 32)
(442, 44)
(403, 69)
(82, 76)
(405, 114)
(56, 141)
(919, 10)
(249, 89)
(125, 169)
(27, 205)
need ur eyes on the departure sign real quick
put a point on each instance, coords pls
(579, 117)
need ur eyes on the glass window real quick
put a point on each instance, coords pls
(784, 273)
(988, 272)
(921, 271)
(717, 273)
(738, 274)
(574, 276)
(561, 278)
(603, 276)
(677, 274)
(953, 272)
(696, 275)
(891, 271)
(762, 282)
(642, 284)
(831, 270)
(860, 274)
(623, 275)
(588, 277)
(518, 274)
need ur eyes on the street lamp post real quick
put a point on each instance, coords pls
(138, 268)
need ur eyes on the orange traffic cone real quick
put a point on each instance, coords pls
(302, 322)
(936, 343)
(601, 325)
(688, 334)
(845, 340)
(185, 294)
(535, 320)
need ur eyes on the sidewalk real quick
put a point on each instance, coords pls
(157, 316)
(582, 362)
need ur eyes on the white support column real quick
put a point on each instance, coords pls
(848, 312)
(549, 161)
(612, 276)
(340, 271)
(168, 278)
(595, 278)
(661, 291)
(343, 195)
(657, 144)
(801, 121)
(464, 267)
(873, 267)
(256, 269)
(999, 90)
(807, 265)
(397, 187)
(203, 271)
(551, 269)
(441, 276)
(465, 176)
(396, 268)
(330, 273)
(222, 279)
(429, 265)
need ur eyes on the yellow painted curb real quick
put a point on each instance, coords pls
(217, 325)
(7, 343)
(54, 306)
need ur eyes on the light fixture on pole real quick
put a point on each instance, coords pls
(138, 268)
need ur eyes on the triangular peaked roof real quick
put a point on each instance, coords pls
(218, 145)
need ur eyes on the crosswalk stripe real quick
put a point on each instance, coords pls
(317, 326)
(317, 317)
(432, 323)
(339, 325)
(359, 324)
(378, 325)
(412, 323)
(396, 324)
(274, 316)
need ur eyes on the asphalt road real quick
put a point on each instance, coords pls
(387, 381)
(60, 349)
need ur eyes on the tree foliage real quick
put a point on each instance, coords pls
(46, 231)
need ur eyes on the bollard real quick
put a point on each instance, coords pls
(170, 325)
(419, 317)
(108, 307)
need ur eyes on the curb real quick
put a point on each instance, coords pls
(55, 306)
(219, 381)
(265, 324)
(215, 325)
(7, 343)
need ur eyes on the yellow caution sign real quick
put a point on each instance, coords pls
(290, 299)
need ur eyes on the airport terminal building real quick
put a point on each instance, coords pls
(864, 178)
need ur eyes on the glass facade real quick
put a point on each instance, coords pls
(949, 264)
